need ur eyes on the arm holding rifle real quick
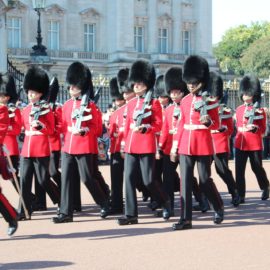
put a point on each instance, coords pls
(252, 116)
(145, 112)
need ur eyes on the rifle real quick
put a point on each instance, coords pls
(142, 114)
(202, 105)
(97, 93)
(251, 115)
(53, 92)
(13, 171)
(223, 108)
(39, 108)
(79, 114)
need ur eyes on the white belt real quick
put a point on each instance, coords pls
(242, 129)
(194, 127)
(33, 133)
(70, 129)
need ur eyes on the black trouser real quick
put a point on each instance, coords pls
(98, 175)
(15, 164)
(69, 174)
(170, 176)
(117, 178)
(54, 167)
(54, 174)
(207, 185)
(39, 165)
(77, 201)
(223, 170)
(144, 164)
(6, 209)
(255, 158)
(40, 194)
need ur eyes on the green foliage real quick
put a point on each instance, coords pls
(234, 44)
(256, 58)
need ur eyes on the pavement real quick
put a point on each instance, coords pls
(241, 242)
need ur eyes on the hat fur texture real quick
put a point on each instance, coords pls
(80, 76)
(216, 85)
(159, 88)
(142, 71)
(173, 80)
(36, 79)
(122, 80)
(251, 86)
(114, 91)
(196, 70)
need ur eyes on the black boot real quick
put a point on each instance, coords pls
(235, 198)
(219, 216)
(166, 214)
(105, 209)
(182, 224)
(127, 220)
(12, 227)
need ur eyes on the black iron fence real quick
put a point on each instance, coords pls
(231, 91)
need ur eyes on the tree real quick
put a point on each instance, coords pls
(256, 58)
(236, 41)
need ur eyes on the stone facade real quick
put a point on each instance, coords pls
(108, 35)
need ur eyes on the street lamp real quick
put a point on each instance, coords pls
(39, 49)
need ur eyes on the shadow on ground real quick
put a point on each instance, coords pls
(33, 265)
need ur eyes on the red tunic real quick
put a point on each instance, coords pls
(136, 142)
(4, 122)
(194, 138)
(116, 130)
(222, 139)
(36, 142)
(169, 127)
(55, 138)
(247, 140)
(14, 130)
(76, 144)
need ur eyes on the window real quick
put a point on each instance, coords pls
(163, 40)
(139, 38)
(186, 42)
(89, 37)
(53, 35)
(14, 26)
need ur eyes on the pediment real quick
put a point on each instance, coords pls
(54, 9)
(165, 18)
(90, 12)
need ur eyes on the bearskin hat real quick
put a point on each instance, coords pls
(53, 90)
(36, 79)
(80, 76)
(250, 85)
(3, 83)
(159, 89)
(196, 70)
(114, 90)
(173, 80)
(122, 80)
(8, 87)
(216, 85)
(142, 71)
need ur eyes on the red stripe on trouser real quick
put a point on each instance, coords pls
(8, 206)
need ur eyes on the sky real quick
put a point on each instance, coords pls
(232, 13)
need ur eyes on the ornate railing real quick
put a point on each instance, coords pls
(23, 52)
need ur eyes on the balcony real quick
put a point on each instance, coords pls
(60, 55)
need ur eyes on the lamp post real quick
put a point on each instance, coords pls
(39, 49)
